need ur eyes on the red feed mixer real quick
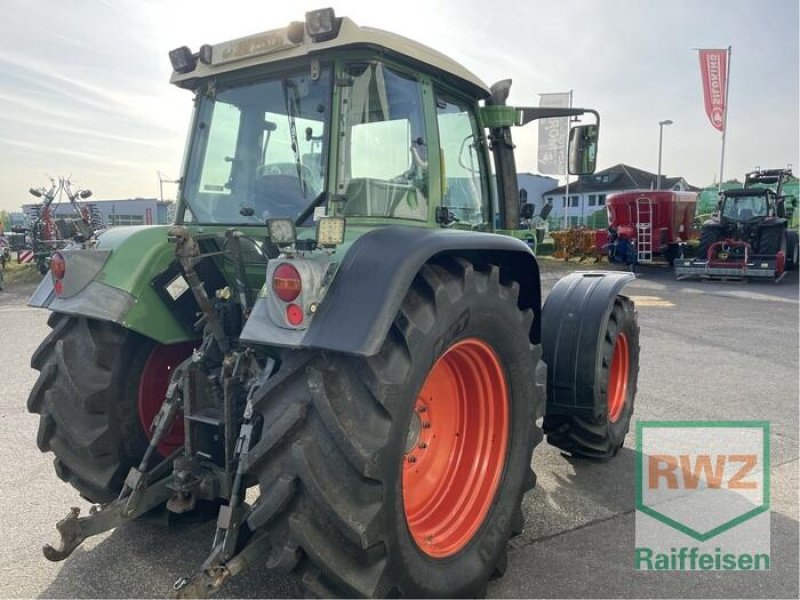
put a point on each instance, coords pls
(647, 226)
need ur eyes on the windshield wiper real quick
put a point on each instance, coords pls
(291, 111)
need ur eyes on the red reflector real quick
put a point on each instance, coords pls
(286, 282)
(58, 266)
(294, 314)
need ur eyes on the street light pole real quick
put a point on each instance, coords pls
(660, 139)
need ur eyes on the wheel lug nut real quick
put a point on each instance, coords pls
(423, 445)
(412, 459)
(421, 409)
(426, 425)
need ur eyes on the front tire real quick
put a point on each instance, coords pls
(771, 240)
(708, 236)
(616, 378)
(344, 505)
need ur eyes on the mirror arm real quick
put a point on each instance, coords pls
(527, 114)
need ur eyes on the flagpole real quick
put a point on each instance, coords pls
(725, 118)
(566, 171)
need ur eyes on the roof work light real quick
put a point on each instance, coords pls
(182, 59)
(322, 24)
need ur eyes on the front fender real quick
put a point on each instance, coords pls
(112, 282)
(574, 317)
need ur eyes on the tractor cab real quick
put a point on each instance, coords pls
(746, 205)
(326, 119)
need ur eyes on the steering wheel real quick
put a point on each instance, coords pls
(288, 169)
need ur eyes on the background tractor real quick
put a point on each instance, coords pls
(749, 235)
(330, 345)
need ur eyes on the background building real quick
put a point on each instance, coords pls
(113, 213)
(533, 187)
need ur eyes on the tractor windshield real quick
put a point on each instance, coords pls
(745, 208)
(258, 150)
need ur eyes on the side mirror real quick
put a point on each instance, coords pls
(780, 207)
(545, 212)
(583, 149)
(85, 194)
(526, 212)
(36, 193)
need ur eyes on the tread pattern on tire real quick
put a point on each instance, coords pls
(83, 379)
(771, 240)
(708, 235)
(323, 435)
(583, 437)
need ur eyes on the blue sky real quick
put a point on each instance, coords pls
(84, 84)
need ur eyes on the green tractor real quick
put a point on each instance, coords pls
(750, 234)
(332, 346)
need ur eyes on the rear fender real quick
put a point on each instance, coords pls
(112, 282)
(574, 318)
(374, 277)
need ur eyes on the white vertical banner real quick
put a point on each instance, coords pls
(552, 158)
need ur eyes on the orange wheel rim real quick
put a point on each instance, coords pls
(456, 448)
(618, 378)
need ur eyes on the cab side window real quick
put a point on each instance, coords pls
(464, 188)
(383, 169)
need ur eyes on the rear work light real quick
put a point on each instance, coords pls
(286, 282)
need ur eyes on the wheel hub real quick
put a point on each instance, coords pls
(414, 429)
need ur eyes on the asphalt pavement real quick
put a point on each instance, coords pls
(710, 350)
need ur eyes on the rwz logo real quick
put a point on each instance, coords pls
(687, 471)
(703, 482)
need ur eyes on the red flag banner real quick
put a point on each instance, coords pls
(714, 71)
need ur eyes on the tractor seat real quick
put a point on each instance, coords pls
(745, 214)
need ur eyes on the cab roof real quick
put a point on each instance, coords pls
(277, 46)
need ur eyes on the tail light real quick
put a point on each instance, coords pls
(286, 282)
(294, 314)
(58, 267)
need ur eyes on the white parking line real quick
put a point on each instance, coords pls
(741, 294)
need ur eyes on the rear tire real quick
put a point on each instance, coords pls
(338, 430)
(86, 396)
(615, 390)
(792, 250)
(771, 240)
